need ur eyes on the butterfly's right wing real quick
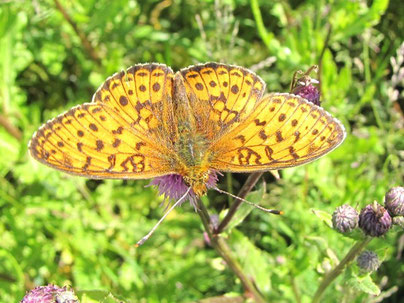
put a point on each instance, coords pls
(285, 130)
(124, 133)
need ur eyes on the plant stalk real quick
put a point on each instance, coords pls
(84, 40)
(265, 36)
(320, 58)
(222, 248)
(332, 275)
(10, 128)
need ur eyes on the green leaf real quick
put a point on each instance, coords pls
(97, 296)
(324, 216)
(364, 284)
(142, 32)
(256, 263)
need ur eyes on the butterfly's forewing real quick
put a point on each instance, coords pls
(121, 134)
(221, 95)
(142, 96)
(283, 131)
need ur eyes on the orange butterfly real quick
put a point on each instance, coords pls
(148, 122)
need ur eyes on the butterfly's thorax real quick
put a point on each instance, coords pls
(192, 161)
(191, 147)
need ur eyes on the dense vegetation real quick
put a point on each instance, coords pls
(66, 230)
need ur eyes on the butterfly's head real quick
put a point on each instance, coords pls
(197, 180)
(200, 179)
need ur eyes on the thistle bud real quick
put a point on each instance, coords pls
(303, 86)
(394, 201)
(345, 218)
(309, 92)
(368, 261)
(50, 294)
(374, 220)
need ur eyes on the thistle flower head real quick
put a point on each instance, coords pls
(394, 201)
(368, 261)
(304, 87)
(374, 220)
(345, 218)
(308, 91)
(50, 294)
(174, 187)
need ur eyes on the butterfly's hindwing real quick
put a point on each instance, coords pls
(284, 131)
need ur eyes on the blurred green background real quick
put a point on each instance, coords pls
(66, 230)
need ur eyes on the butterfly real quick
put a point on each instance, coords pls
(149, 122)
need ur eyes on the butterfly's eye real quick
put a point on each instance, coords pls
(205, 177)
(187, 180)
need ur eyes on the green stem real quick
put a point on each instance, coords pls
(320, 58)
(223, 249)
(7, 43)
(84, 40)
(332, 275)
(229, 185)
(10, 128)
(366, 59)
(295, 289)
(265, 36)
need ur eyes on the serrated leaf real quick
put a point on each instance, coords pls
(96, 296)
(324, 216)
(256, 263)
(364, 284)
(111, 299)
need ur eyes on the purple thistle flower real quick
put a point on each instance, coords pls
(394, 201)
(309, 92)
(304, 87)
(374, 220)
(50, 294)
(173, 187)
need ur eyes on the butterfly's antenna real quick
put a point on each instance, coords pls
(271, 211)
(145, 238)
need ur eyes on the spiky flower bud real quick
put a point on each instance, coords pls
(302, 85)
(368, 261)
(394, 201)
(374, 220)
(50, 294)
(345, 218)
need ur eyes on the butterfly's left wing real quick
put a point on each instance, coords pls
(283, 131)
